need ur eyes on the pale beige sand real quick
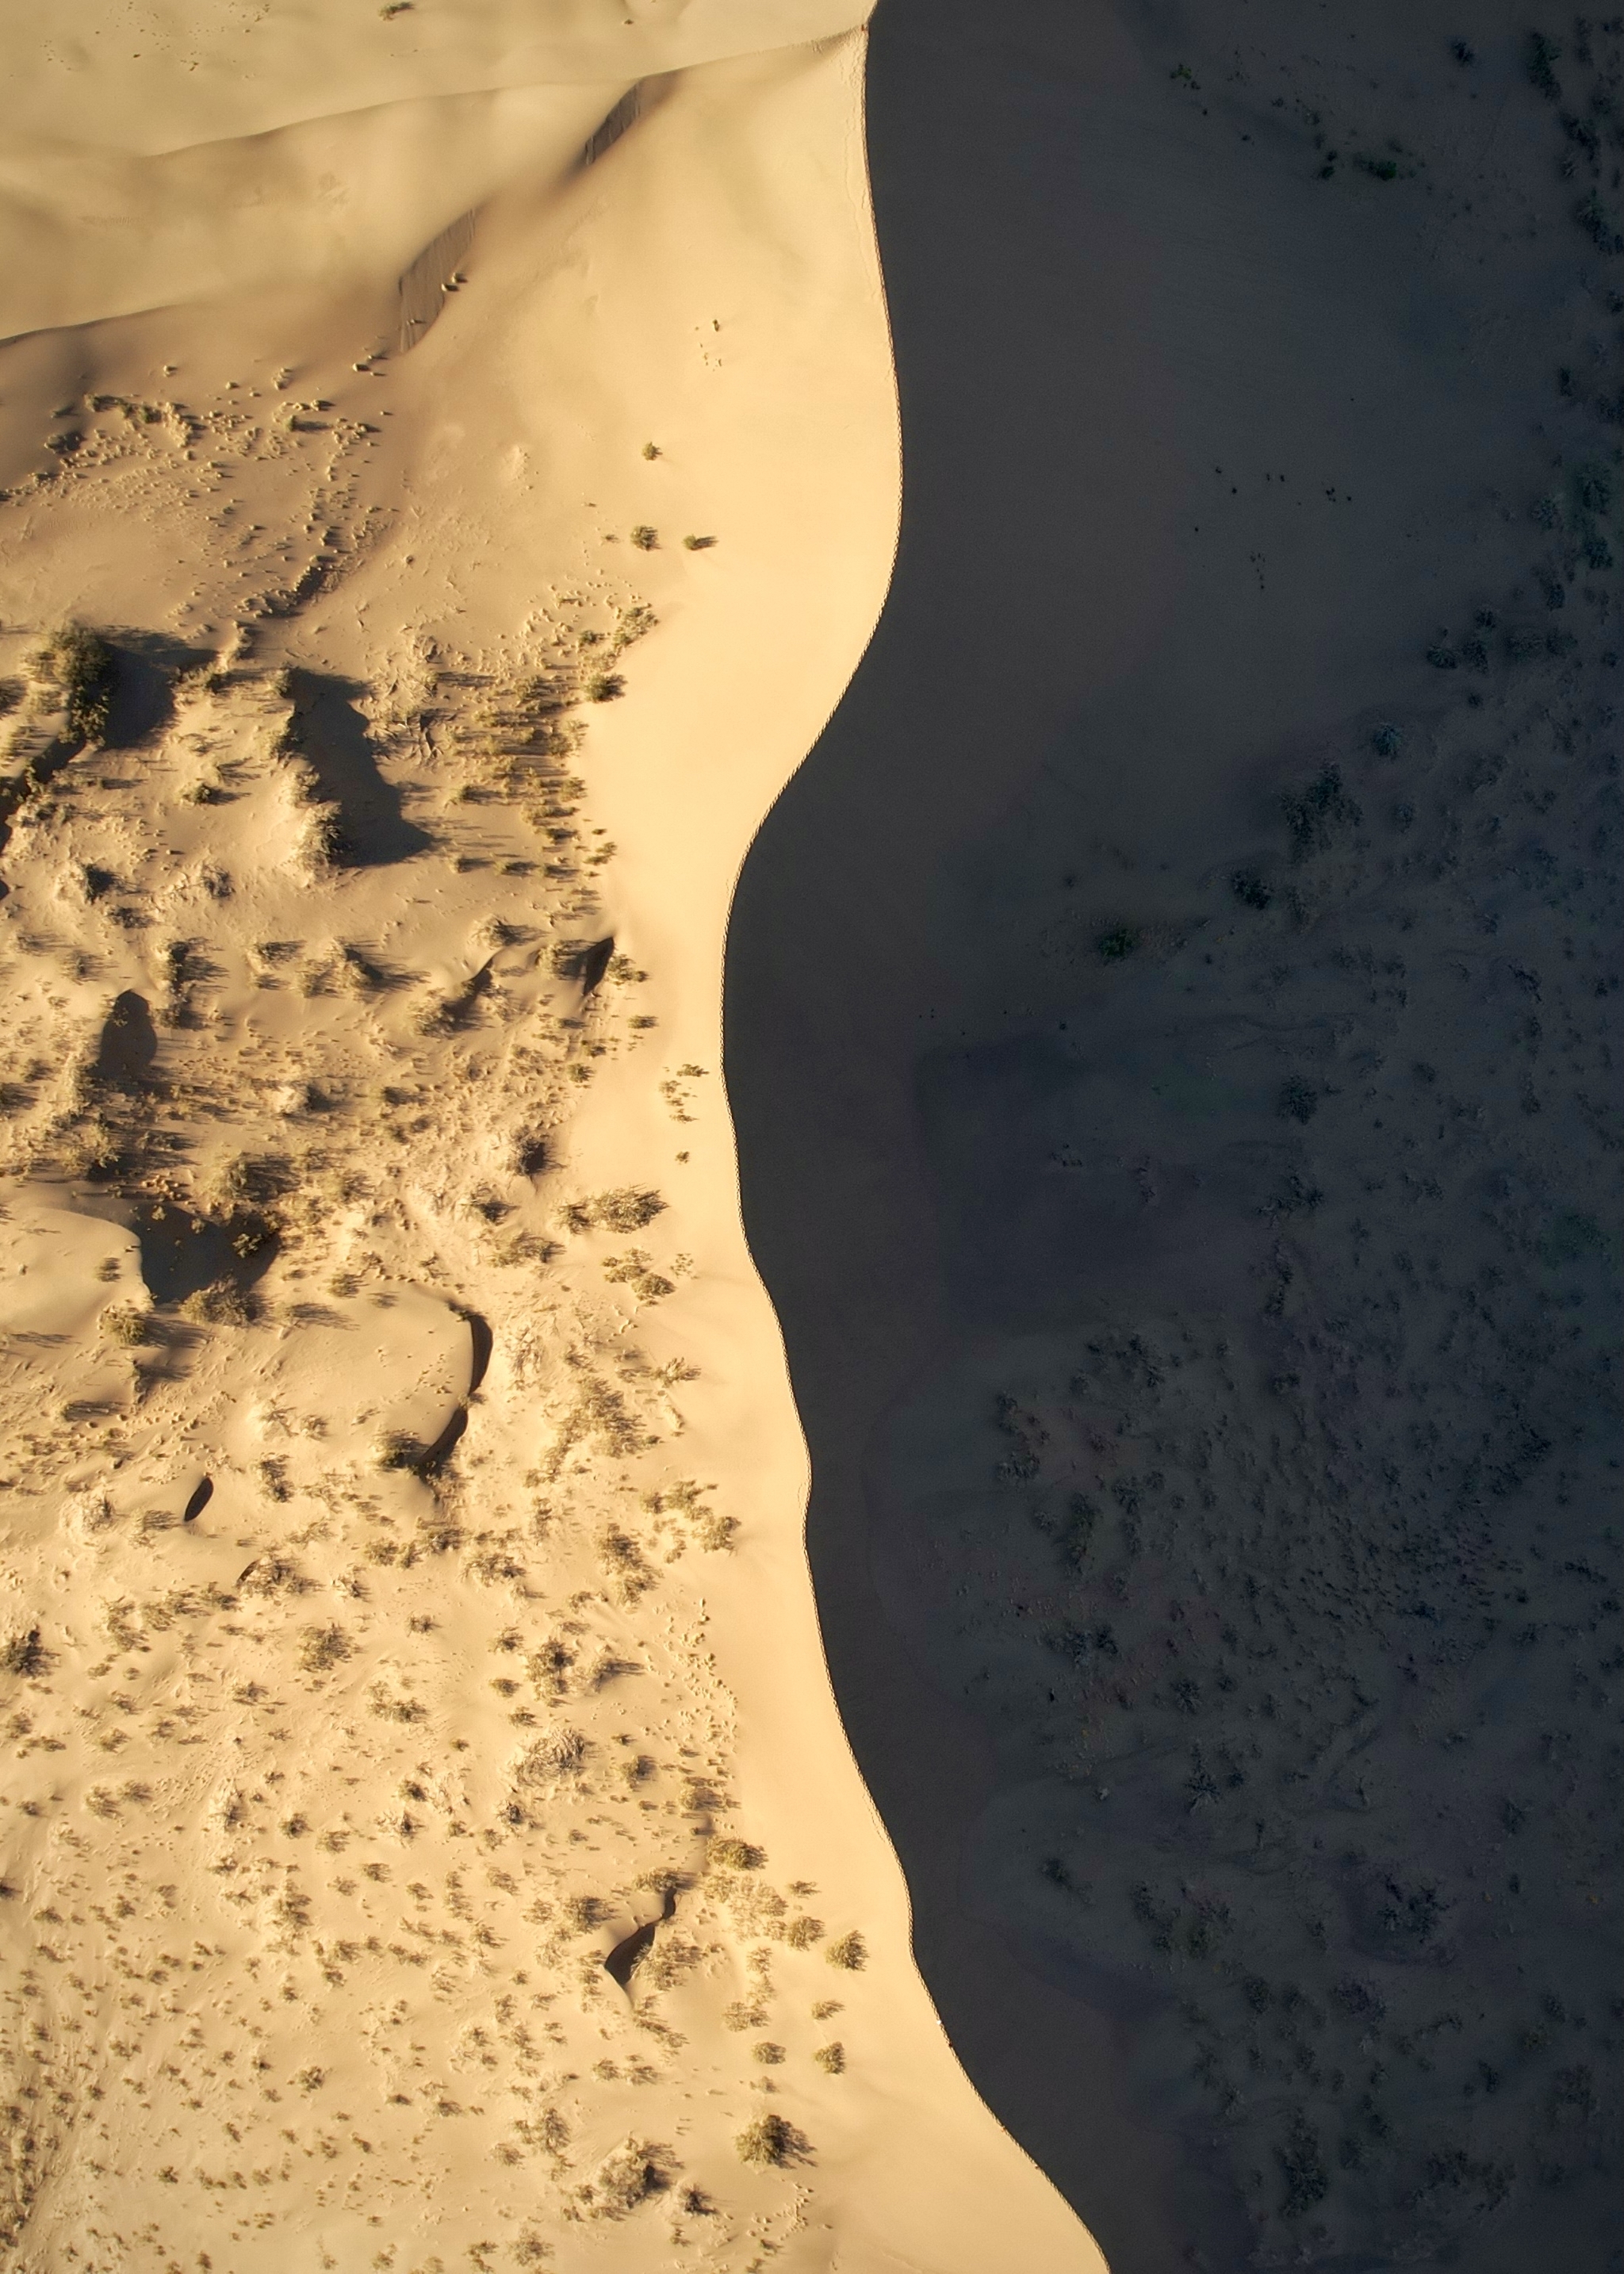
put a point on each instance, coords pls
(404, 1601)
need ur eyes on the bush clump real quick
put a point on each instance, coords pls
(736, 1856)
(624, 1210)
(771, 2140)
(79, 664)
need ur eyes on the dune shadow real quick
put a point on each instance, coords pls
(329, 732)
(1191, 442)
(144, 668)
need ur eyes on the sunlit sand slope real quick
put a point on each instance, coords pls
(428, 1833)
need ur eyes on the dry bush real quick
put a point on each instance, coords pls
(623, 1556)
(730, 1855)
(627, 1210)
(25, 1655)
(802, 1933)
(323, 1648)
(831, 2058)
(274, 1574)
(772, 2141)
(398, 1449)
(560, 1753)
(127, 1324)
(850, 1952)
(582, 1913)
(77, 665)
(221, 1305)
(626, 2178)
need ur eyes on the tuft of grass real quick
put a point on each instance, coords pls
(697, 544)
(831, 2058)
(850, 1952)
(645, 538)
(1117, 945)
(127, 1324)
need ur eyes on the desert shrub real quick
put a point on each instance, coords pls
(560, 1753)
(645, 539)
(24, 1655)
(582, 1913)
(627, 2176)
(323, 1648)
(1302, 2167)
(697, 544)
(850, 1952)
(730, 1855)
(80, 665)
(398, 1449)
(831, 2058)
(625, 1209)
(1386, 740)
(1541, 55)
(127, 1324)
(1250, 889)
(771, 2140)
(221, 1305)
(1317, 813)
(1117, 945)
(802, 1933)
(768, 2054)
(532, 1153)
(1598, 224)
(1299, 1100)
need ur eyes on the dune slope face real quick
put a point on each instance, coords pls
(429, 1839)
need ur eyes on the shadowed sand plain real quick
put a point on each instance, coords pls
(1170, 1029)
(450, 473)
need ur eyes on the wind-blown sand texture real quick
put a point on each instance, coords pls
(452, 470)
(1172, 1029)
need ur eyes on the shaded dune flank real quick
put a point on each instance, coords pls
(1165, 1029)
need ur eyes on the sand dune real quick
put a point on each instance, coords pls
(430, 1837)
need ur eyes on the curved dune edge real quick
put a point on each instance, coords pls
(710, 286)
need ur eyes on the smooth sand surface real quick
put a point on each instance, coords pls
(1185, 1222)
(430, 1838)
